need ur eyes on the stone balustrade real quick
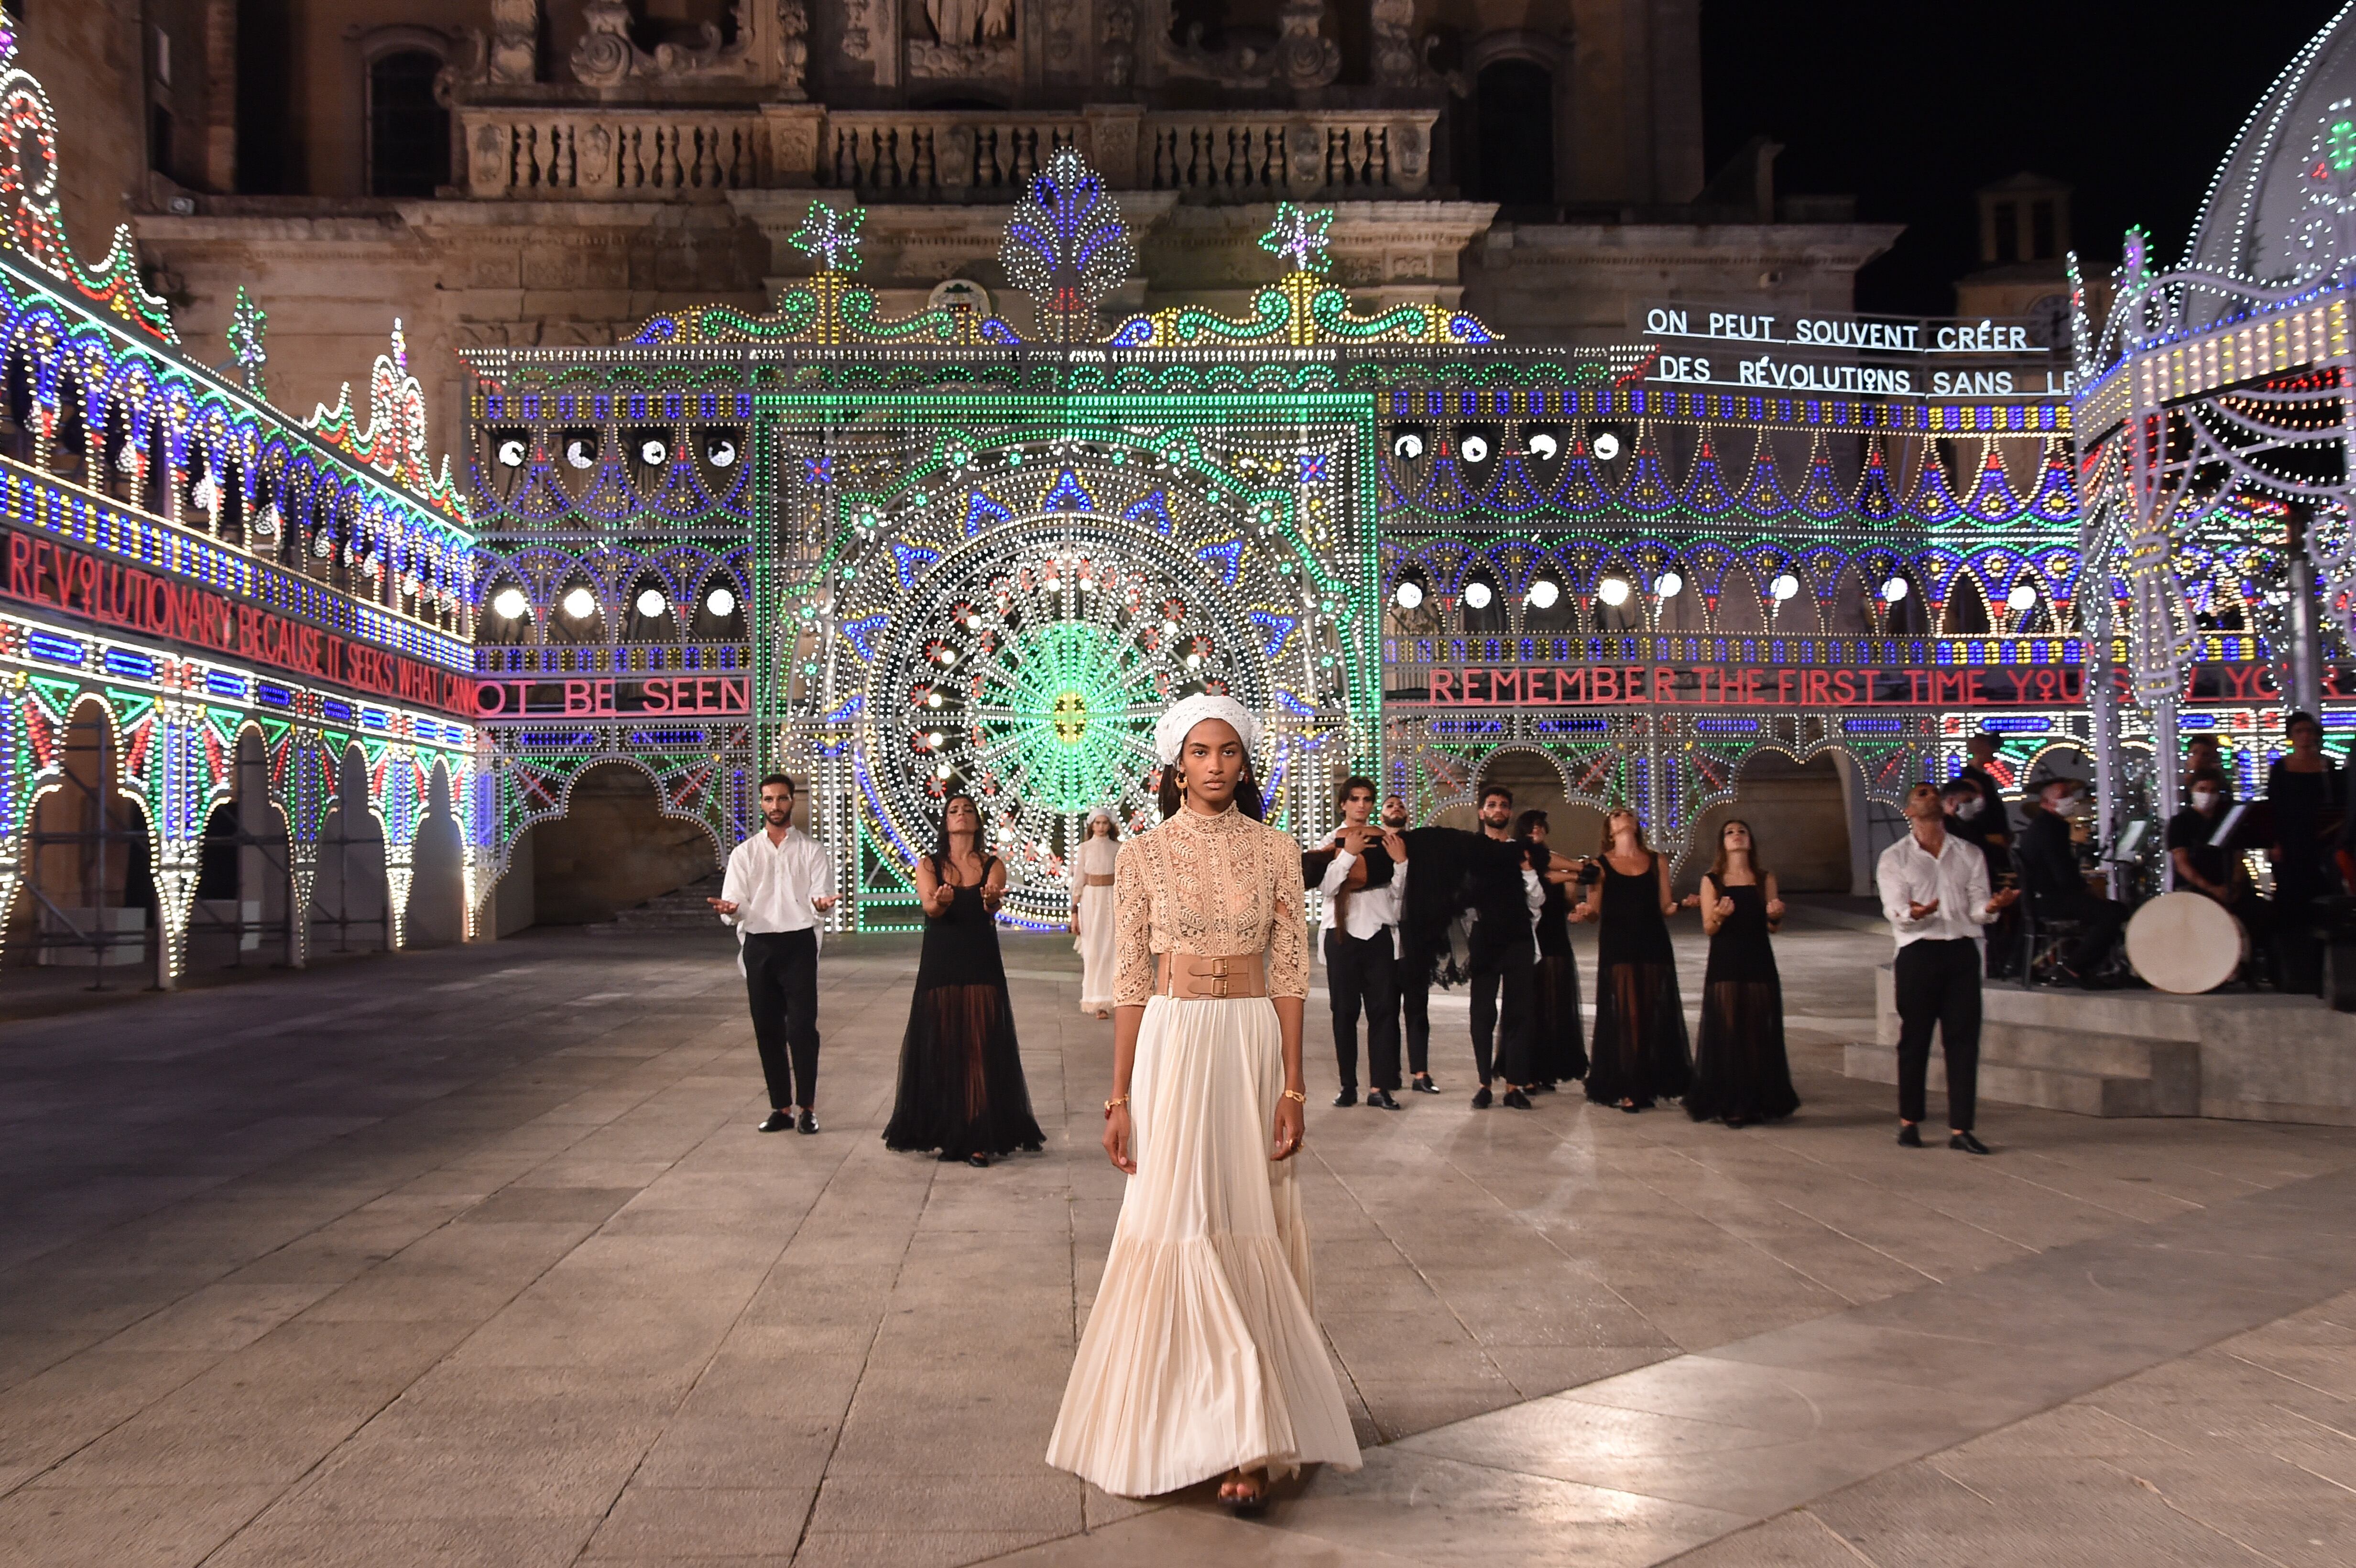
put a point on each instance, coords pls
(597, 154)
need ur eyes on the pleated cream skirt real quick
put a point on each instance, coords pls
(1095, 944)
(1203, 1354)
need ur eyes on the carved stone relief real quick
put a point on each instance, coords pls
(768, 47)
(970, 38)
(1117, 40)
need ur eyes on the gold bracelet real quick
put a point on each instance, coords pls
(1296, 1096)
(1117, 1101)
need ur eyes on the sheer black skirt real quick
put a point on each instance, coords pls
(1561, 1044)
(961, 1086)
(1639, 1051)
(1739, 1070)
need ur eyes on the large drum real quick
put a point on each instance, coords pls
(2186, 943)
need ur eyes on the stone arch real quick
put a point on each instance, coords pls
(350, 894)
(89, 856)
(437, 895)
(1798, 810)
(243, 887)
(611, 844)
(1535, 776)
(1740, 612)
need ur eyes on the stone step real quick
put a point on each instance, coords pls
(2081, 1050)
(2049, 1088)
(682, 910)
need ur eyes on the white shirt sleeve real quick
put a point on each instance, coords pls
(1338, 873)
(732, 885)
(1898, 890)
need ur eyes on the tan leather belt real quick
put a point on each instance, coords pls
(1191, 977)
(1093, 881)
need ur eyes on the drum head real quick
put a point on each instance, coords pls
(2186, 944)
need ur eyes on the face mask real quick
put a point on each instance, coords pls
(2067, 805)
(2202, 799)
(1967, 807)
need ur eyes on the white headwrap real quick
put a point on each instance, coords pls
(1171, 729)
(1105, 812)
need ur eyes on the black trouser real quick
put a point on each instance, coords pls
(1938, 983)
(1364, 971)
(781, 982)
(2100, 921)
(1415, 1010)
(1517, 981)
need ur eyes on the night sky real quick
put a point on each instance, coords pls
(1911, 107)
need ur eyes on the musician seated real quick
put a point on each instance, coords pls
(1967, 819)
(2057, 888)
(2205, 863)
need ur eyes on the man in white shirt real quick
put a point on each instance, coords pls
(1359, 939)
(779, 881)
(1934, 890)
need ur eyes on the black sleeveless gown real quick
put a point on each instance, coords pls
(961, 1086)
(1739, 1070)
(1562, 1031)
(1639, 1051)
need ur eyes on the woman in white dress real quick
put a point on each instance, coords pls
(1092, 915)
(1203, 1356)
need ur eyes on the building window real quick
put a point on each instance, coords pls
(2007, 232)
(408, 133)
(1513, 103)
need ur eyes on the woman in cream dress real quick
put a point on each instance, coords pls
(1092, 909)
(1203, 1356)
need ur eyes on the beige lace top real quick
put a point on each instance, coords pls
(1213, 887)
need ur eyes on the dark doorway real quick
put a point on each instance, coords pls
(1514, 108)
(408, 133)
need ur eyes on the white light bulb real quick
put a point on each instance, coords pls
(1476, 449)
(1545, 592)
(1169, 628)
(1407, 445)
(943, 771)
(1477, 595)
(1607, 447)
(580, 454)
(1893, 590)
(1410, 595)
(2022, 597)
(932, 699)
(948, 657)
(722, 453)
(509, 604)
(936, 740)
(511, 453)
(580, 603)
(720, 602)
(651, 603)
(1612, 591)
(1668, 585)
(1543, 444)
(1784, 587)
(653, 453)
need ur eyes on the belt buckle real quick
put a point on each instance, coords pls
(1219, 978)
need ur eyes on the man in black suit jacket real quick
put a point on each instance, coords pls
(2058, 891)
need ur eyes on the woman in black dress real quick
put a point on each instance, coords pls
(1561, 1044)
(1740, 1071)
(2303, 790)
(1639, 1053)
(961, 1087)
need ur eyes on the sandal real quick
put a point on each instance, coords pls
(978, 1161)
(1244, 1496)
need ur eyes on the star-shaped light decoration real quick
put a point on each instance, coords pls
(247, 323)
(830, 235)
(1300, 233)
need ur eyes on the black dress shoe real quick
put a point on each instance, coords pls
(1421, 1083)
(1910, 1137)
(1481, 1098)
(1517, 1100)
(808, 1123)
(1544, 1086)
(1965, 1142)
(1348, 1096)
(1381, 1100)
(778, 1121)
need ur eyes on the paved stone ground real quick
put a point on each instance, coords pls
(473, 1257)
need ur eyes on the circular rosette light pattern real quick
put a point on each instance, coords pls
(1028, 672)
